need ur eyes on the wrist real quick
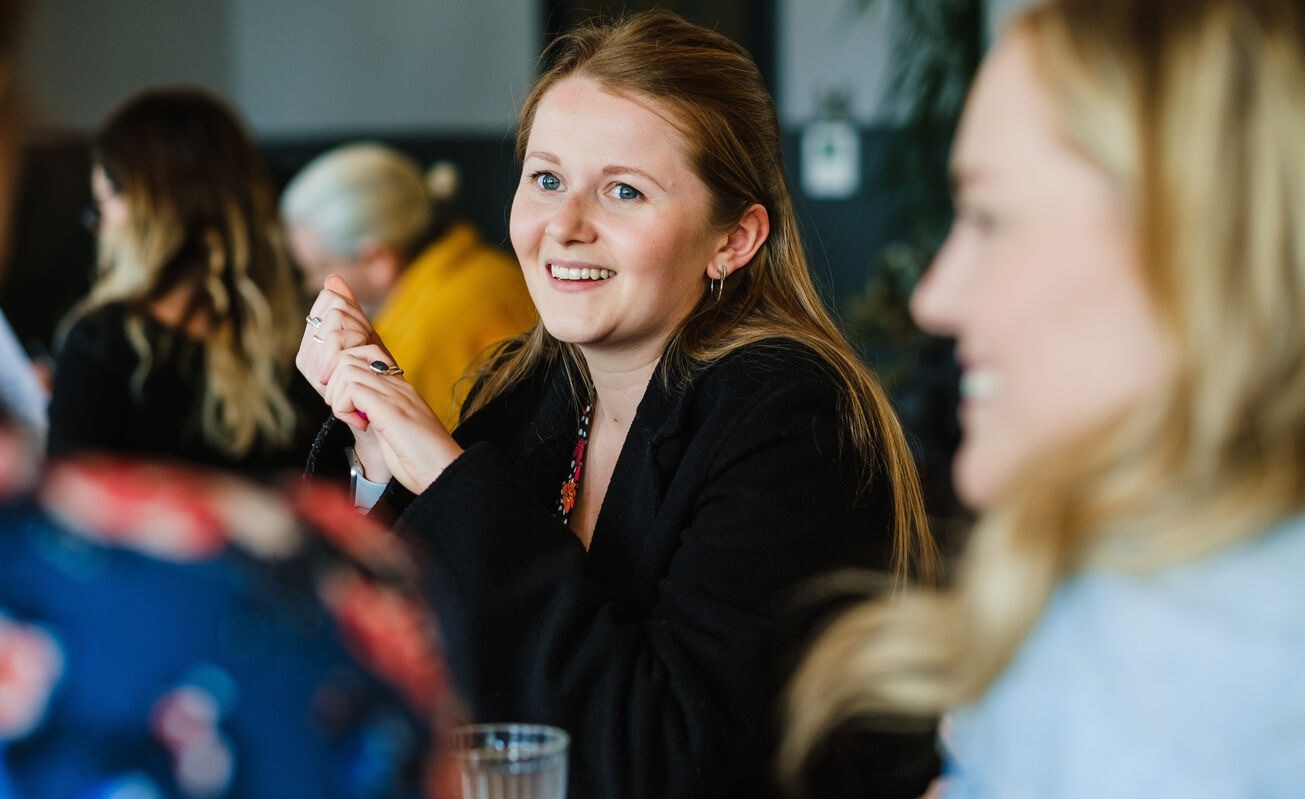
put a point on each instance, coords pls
(364, 492)
(370, 456)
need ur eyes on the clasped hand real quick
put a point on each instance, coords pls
(395, 432)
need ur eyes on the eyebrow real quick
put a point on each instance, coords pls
(614, 169)
(547, 156)
(629, 170)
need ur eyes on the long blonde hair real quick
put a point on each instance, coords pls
(715, 94)
(1196, 108)
(202, 216)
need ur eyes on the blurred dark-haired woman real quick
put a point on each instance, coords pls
(183, 347)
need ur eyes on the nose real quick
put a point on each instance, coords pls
(570, 222)
(939, 299)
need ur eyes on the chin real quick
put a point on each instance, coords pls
(975, 484)
(567, 334)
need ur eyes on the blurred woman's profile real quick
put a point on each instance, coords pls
(1125, 280)
(184, 346)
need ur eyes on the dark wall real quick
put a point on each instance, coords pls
(52, 258)
(53, 253)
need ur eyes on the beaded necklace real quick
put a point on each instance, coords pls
(571, 486)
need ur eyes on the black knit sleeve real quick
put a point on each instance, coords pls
(91, 395)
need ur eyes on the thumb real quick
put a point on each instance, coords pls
(335, 283)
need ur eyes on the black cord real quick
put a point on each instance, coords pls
(310, 466)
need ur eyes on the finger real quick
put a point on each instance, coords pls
(336, 284)
(340, 396)
(308, 359)
(360, 401)
(337, 312)
(317, 347)
(352, 374)
(360, 355)
(354, 366)
(328, 300)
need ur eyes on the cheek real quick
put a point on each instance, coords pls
(681, 255)
(1073, 340)
(525, 226)
(1093, 342)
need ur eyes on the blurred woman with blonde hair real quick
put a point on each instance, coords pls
(1126, 283)
(184, 346)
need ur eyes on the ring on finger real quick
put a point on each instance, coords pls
(383, 368)
(315, 321)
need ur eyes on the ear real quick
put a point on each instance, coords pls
(741, 243)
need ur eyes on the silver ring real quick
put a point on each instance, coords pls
(318, 339)
(315, 321)
(383, 368)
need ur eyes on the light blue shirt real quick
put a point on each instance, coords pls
(1185, 683)
(20, 393)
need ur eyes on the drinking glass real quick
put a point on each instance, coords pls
(511, 761)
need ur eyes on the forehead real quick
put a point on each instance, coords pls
(1008, 127)
(580, 107)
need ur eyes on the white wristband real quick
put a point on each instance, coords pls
(365, 493)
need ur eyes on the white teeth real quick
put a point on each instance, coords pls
(579, 273)
(981, 384)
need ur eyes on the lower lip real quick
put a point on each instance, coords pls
(968, 409)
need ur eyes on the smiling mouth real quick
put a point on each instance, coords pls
(579, 273)
(980, 384)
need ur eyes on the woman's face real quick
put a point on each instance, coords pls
(316, 262)
(110, 205)
(610, 223)
(1039, 283)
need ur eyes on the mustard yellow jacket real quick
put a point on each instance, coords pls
(455, 300)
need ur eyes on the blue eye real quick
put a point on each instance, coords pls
(546, 181)
(624, 191)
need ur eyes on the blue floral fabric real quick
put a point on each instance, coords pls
(166, 633)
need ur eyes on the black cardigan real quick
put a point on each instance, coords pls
(662, 649)
(94, 407)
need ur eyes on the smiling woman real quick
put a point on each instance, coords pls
(640, 486)
(607, 193)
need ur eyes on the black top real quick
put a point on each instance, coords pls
(94, 406)
(662, 648)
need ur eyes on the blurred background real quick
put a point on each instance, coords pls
(867, 91)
